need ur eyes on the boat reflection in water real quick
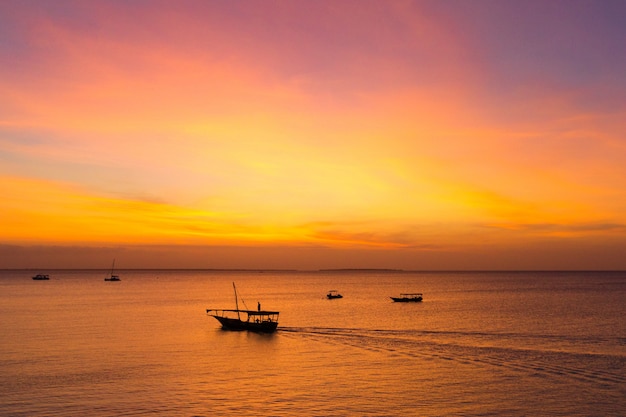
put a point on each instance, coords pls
(252, 320)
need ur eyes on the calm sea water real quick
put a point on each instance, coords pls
(480, 344)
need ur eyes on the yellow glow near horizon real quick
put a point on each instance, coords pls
(386, 131)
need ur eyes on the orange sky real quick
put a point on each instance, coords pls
(296, 134)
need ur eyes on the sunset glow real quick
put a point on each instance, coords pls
(269, 134)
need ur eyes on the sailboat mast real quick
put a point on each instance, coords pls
(236, 301)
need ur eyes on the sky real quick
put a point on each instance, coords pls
(426, 135)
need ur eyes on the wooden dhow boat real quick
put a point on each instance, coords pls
(261, 321)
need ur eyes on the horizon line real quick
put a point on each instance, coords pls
(391, 270)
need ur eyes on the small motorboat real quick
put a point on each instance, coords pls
(41, 277)
(408, 298)
(332, 294)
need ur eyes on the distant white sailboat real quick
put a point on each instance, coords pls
(113, 277)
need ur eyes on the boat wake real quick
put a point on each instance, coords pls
(483, 350)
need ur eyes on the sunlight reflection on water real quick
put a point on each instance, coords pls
(478, 344)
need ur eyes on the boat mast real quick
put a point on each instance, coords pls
(236, 302)
(112, 266)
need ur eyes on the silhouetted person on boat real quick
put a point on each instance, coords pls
(258, 305)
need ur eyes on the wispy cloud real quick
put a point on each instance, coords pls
(383, 126)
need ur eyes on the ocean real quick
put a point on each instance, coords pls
(480, 344)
